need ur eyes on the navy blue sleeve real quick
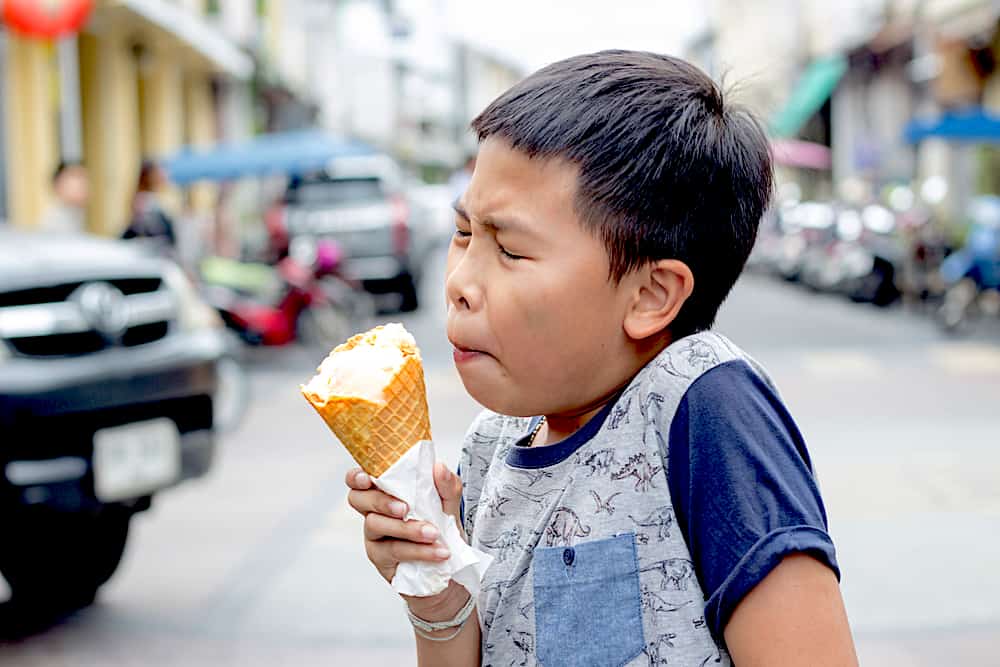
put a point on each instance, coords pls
(742, 486)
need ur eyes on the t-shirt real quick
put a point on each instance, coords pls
(632, 541)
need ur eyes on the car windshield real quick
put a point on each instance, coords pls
(339, 191)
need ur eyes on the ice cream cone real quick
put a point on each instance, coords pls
(376, 430)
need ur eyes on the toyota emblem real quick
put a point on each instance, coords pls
(104, 308)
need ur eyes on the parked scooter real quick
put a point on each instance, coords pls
(302, 298)
(972, 274)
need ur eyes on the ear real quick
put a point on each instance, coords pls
(660, 288)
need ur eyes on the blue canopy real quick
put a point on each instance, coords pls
(290, 153)
(973, 125)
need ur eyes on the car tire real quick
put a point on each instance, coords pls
(409, 299)
(56, 561)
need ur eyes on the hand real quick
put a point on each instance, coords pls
(389, 540)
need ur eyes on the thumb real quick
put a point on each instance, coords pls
(449, 487)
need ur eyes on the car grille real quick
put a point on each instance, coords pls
(51, 321)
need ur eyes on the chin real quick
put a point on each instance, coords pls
(496, 397)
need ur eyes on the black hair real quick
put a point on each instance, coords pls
(63, 167)
(667, 169)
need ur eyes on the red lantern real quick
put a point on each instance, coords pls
(46, 19)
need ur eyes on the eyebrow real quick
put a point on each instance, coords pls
(498, 224)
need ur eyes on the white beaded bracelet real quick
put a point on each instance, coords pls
(423, 627)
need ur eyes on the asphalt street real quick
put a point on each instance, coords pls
(262, 564)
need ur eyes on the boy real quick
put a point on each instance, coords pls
(647, 498)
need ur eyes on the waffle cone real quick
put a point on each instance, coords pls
(378, 434)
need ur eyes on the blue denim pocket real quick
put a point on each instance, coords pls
(587, 606)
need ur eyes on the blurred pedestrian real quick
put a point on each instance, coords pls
(71, 189)
(149, 219)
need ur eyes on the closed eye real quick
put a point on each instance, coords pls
(508, 255)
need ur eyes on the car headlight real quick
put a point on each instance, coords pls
(192, 313)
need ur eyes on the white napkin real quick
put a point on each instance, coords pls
(411, 479)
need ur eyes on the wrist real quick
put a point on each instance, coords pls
(440, 607)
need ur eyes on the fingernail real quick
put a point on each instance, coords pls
(361, 478)
(397, 508)
(429, 532)
(442, 553)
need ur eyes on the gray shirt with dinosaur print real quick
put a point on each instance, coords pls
(592, 565)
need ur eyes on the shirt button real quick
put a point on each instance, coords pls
(569, 555)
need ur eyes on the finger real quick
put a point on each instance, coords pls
(449, 487)
(386, 555)
(357, 478)
(400, 551)
(378, 526)
(377, 501)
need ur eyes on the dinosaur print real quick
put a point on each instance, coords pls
(699, 622)
(644, 472)
(484, 464)
(524, 610)
(651, 401)
(665, 362)
(619, 414)
(470, 517)
(525, 643)
(655, 604)
(494, 505)
(600, 461)
(533, 476)
(676, 573)
(564, 527)
(605, 505)
(699, 355)
(655, 649)
(641, 538)
(661, 518)
(540, 499)
(502, 584)
(507, 541)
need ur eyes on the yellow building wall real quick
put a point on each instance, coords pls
(199, 110)
(111, 135)
(31, 126)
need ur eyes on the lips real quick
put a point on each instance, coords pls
(464, 352)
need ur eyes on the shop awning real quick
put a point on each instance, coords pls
(973, 125)
(290, 153)
(812, 89)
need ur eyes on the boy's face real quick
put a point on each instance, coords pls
(534, 318)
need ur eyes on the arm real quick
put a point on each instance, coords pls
(389, 540)
(463, 650)
(795, 616)
(759, 540)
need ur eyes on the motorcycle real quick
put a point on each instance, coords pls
(303, 297)
(972, 274)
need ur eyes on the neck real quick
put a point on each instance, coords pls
(558, 427)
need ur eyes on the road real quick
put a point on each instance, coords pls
(261, 564)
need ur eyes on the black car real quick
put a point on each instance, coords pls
(107, 379)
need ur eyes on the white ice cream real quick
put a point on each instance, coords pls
(366, 369)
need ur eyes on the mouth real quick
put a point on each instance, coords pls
(463, 354)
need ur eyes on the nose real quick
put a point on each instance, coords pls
(463, 288)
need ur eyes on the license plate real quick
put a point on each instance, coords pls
(135, 459)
